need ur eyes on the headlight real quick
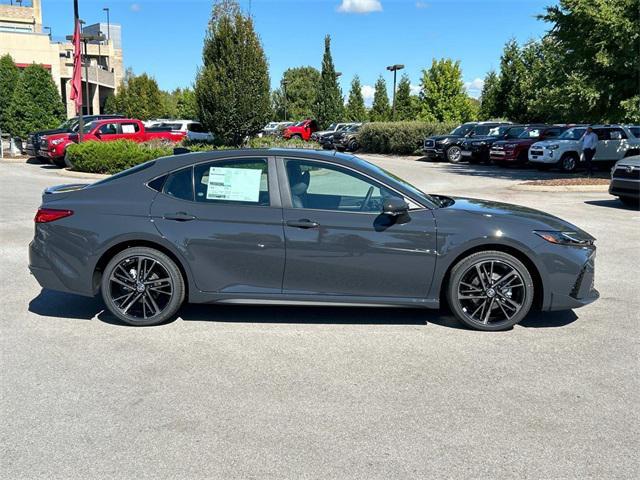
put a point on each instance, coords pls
(555, 146)
(564, 238)
(57, 141)
(510, 145)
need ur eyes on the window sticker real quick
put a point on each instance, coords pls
(128, 128)
(234, 184)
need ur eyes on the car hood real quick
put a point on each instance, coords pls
(544, 143)
(442, 137)
(633, 161)
(50, 132)
(517, 141)
(497, 210)
(61, 135)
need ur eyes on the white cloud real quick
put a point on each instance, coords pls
(367, 93)
(135, 7)
(474, 88)
(422, 5)
(415, 89)
(360, 6)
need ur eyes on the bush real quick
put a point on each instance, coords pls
(402, 138)
(112, 157)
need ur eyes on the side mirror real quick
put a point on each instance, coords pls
(394, 206)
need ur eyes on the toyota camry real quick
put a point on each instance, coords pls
(301, 227)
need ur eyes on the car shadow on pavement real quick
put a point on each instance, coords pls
(65, 305)
(612, 203)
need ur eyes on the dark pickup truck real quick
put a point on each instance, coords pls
(34, 140)
(448, 147)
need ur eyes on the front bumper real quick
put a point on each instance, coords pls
(625, 188)
(543, 155)
(475, 152)
(31, 151)
(503, 155)
(434, 153)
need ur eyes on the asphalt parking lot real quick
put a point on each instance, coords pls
(291, 392)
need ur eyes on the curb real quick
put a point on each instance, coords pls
(70, 173)
(561, 188)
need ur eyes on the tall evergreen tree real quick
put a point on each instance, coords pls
(511, 102)
(232, 88)
(300, 85)
(35, 103)
(442, 94)
(9, 75)
(381, 109)
(355, 109)
(329, 103)
(489, 97)
(405, 106)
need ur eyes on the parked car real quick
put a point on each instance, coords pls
(322, 228)
(476, 149)
(193, 130)
(565, 152)
(625, 181)
(333, 128)
(516, 151)
(301, 130)
(326, 141)
(274, 128)
(448, 147)
(347, 139)
(32, 146)
(54, 147)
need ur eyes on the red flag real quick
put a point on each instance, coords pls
(76, 80)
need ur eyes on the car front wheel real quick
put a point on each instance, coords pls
(142, 286)
(454, 154)
(490, 291)
(569, 162)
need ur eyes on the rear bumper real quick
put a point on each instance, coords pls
(625, 188)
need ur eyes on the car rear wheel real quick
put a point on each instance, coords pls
(490, 291)
(569, 162)
(142, 286)
(454, 154)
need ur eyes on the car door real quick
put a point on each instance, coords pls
(338, 241)
(128, 131)
(108, 132)
(603, 146)
(617, 144)
(225, 217)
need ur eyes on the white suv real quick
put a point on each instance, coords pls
(565, 152)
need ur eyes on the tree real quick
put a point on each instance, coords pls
(380, 110)
(510, 99)
(489, 97)
(35, 103)
(442, 95)
(329, 103)
(232, 88)
(355, 109)
(138, 97)
(9, 75)
(405, 105)
(300, 85)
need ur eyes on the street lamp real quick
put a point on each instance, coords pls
(394, 69)
(106, 9)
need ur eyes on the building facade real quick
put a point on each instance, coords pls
(22, 37)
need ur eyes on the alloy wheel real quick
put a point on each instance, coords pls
(491, 292)
(454, 154)
(568, 163)
(140, 287)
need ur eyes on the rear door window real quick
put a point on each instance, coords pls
(130, 127)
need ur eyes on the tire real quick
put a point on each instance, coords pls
(569, 162)
(67, 162)
(59, 162)
(471, 294)
(128, 299)
(353, 146)
(296, 137)
(454, 154)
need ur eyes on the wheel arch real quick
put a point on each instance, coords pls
(123, 245)
(538, 284)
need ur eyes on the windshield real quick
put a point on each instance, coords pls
(353, 128)
(531, 133)
(88, 127)
(635, 131)
(514, 132)
(333, 126)
(480, 130)
(462, 129)
(573, 134)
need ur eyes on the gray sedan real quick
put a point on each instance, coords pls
(301, 227)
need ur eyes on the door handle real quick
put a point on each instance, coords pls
(179, 217)
(304, 223)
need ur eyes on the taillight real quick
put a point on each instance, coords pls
(45, 215)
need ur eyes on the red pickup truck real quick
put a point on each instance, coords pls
(302, 130)
(54, 147)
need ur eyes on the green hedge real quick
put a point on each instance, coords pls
(402, 138)
(112, 157)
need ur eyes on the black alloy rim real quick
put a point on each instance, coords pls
(491, 292)
(140, 287)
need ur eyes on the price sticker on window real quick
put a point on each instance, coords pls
(234, 184)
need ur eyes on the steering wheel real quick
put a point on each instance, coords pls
(367, 199)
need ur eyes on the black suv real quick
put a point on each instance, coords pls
(447, 147)
(347, 139)
(34, 139)
(476, 149)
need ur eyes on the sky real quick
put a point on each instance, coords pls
(164, 37)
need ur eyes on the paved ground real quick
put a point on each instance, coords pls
(239, 392)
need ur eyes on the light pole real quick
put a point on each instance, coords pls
(394, 69)
(106, 9)
(284, 88)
